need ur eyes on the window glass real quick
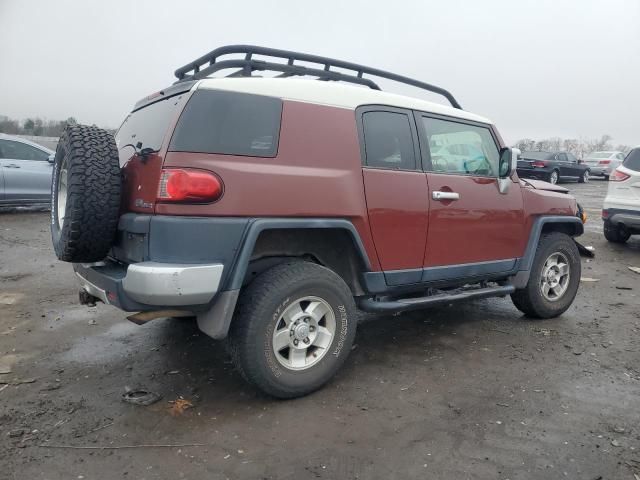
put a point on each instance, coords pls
(215, 121)
(632, 161)
(461, 148)
(571, 158)
(21, 151)
(147, 126)
(599, 155)
(388, 141)
(562, 157)
(537, 155)
(620, 156)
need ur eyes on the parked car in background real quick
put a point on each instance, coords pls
(25, 172)
(552, 167)
(621, 210)
(603, 163)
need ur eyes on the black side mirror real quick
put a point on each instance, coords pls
(508, 161)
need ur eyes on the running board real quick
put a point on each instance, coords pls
(401, 305)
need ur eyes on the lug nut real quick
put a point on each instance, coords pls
(295, 342)
(306, 340)
(312, 328)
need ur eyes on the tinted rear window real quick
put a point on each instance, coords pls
(633, 160)
(148, 125)
(537, 155)
(215, 121)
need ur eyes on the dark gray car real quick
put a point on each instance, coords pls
(25, 172)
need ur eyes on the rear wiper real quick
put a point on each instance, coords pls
(143, 153)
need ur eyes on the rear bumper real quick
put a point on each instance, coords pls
(144, 285)
(628, 218)
(599, 170)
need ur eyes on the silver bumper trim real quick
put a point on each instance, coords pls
(167, 284)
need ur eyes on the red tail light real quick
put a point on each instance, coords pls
(604, 162)
(618, 176)
(185, 185)
(540, 163)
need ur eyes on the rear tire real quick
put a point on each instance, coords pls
(293, 329)
(85, 194)
(615, 233)
(553, 280)
(606, 177)
(554, 177)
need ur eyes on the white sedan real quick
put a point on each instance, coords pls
(603, 163)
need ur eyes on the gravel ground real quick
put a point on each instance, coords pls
(469, 391)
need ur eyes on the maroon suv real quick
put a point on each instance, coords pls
(272, 208)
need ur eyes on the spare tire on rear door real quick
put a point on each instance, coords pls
(85, 194)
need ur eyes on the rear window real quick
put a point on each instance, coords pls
(537, 155)
(148, 125)
(632, 161)
(216, 121)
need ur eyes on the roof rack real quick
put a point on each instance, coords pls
(210, 63)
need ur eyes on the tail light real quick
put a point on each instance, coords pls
(605, 214)
(540, 163)
(186, 185)
(604, 162)
(618, 176)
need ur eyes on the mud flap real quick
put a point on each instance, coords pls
(584, 251)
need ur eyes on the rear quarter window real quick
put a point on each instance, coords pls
(232, 123)
(632, 161)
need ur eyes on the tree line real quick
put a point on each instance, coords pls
(579, 147)
(34, 126)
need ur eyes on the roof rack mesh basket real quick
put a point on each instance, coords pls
(244, 66)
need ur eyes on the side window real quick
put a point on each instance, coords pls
(460, 148)
(231, 123)
(572, 159)
(562, 157)
(21, 151)
(388, 142)
(620, 156)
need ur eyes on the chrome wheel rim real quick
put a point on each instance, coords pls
(554, 178)
(303, 333)
(554, 279)
(61, 198)
(586, 177)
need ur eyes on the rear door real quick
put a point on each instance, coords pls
(471, 224)
(26, 172)
(396, 191)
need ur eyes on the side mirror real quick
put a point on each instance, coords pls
(51, 158)
(508, 161)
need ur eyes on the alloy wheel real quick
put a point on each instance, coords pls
(555, 275)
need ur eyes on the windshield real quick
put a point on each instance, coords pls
(599, 155)
(537, 155)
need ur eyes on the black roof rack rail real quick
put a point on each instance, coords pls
(210, 63)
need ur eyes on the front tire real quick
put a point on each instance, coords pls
(553, 280)
(615, 233)
(293, 329)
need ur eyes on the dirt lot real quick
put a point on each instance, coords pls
(468, 391)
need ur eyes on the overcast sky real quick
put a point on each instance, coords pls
(568, 68)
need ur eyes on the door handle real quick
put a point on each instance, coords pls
(440, 196)
(12, 165)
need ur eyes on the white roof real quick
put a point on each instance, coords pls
(330, 93)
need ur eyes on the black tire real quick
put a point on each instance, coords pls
(87, 163)
(584, 178)
(606, 177)
(615, 233)
(258, 314)
(550, 177)
(530, 300)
